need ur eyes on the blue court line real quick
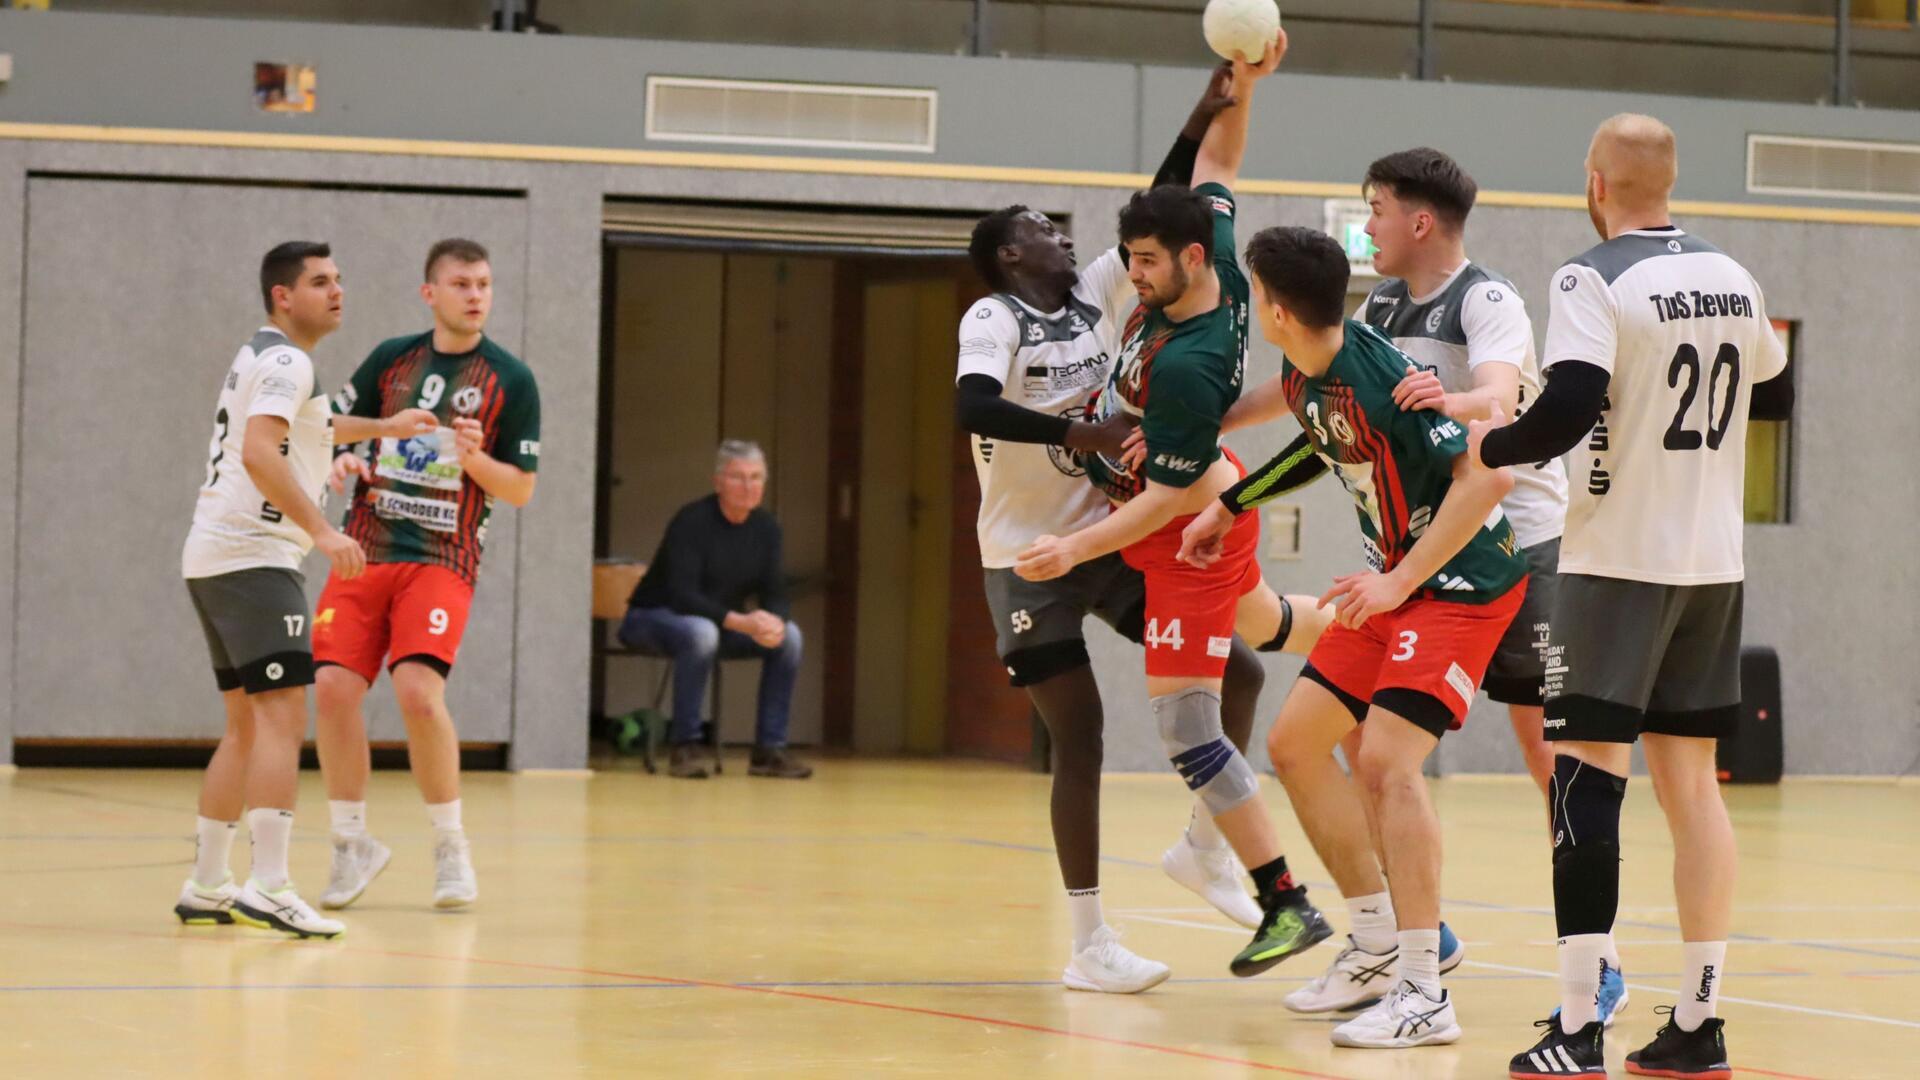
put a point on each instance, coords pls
(844, 984)
(1485, 905)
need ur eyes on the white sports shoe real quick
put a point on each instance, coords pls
(1108, 967)
(453, 882)
(201, 906)
(1215, 876)
(357, 860)
(1405, 1017)
(283, 911)
(1355, 978)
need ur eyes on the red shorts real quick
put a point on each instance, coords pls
(1423, 649)
(406, 610)
(1190, 611)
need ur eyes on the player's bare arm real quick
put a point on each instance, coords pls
(1475, 491)
(1494, 383)
(1260, 404)
(1226, 142)
(404, 424)
(508, 483)
(1138, 518)
(271, 472)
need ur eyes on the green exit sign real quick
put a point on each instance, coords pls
(1359, 245)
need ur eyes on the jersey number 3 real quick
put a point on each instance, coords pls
(1686, 366)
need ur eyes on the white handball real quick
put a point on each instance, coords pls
(1241, 29)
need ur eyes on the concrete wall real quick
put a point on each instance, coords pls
(1645, 50)
(1821, 585)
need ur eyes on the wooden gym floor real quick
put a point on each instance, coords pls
(884, 919)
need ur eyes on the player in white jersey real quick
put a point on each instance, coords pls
(1032, 356)
(257, 516)
(1656, 346)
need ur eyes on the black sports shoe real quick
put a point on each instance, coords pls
(1700, 1054)
(1558, 1054)
(1289, 926)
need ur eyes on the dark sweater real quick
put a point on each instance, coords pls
(709, 566)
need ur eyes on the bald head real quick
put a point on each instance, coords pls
(1635, 157)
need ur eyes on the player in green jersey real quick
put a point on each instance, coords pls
(1415, 631)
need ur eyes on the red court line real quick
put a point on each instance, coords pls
(831, 999)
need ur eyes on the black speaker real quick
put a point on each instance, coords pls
(1756, 753)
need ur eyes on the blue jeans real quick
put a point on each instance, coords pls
(694, 643)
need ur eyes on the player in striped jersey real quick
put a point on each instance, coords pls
(1414, 633)
(421, 511)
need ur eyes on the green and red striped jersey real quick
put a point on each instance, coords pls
(1397, 465)
(421, 506)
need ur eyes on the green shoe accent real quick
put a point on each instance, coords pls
(1285, 933)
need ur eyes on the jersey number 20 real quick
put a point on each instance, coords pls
(1686, 365)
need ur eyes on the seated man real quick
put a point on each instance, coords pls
(719, 552)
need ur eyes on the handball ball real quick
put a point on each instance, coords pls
(1241, 29)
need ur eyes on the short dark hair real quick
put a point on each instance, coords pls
(457, 249)
(990, 234)
(1305, 270)
(1171, 214)
(1425, 175)
(283, 265)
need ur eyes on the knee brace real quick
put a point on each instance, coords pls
(1280, 637)
(1586, 846)
(1198, 747)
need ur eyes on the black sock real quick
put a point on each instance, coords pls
(1273, 880)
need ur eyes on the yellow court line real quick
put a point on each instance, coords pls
(906, 170)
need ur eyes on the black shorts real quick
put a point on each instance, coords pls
(1634, 656)
(1048, 614)
(256, 623)
(1519, 665)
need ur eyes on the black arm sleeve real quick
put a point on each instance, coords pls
(1773, 399)
(1178, 167)
(979, 408)
(1556, 423)
(1290, 470)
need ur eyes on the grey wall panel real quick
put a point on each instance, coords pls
(586, 91)
(13, 218)
(553, 594)
(139, 294)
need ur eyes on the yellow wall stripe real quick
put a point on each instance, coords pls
(908, 170)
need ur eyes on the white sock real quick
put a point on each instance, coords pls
(1702, 965)
(271, 829)
(1371, 921)
(349, 818)
(1580, 958)
(1083, 906)
(1420, 960)
(1202, 833)
(213, 842)
(445, 816)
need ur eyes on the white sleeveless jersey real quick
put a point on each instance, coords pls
(1052, 363)
(234, 526)
(1659, 486)
(1477, 317)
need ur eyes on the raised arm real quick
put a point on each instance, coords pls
(1225, 145)
(1178, 166)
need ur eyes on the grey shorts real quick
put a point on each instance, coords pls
(256, 622)
(1633, 656)
(1037, 623)
(1519, 664)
